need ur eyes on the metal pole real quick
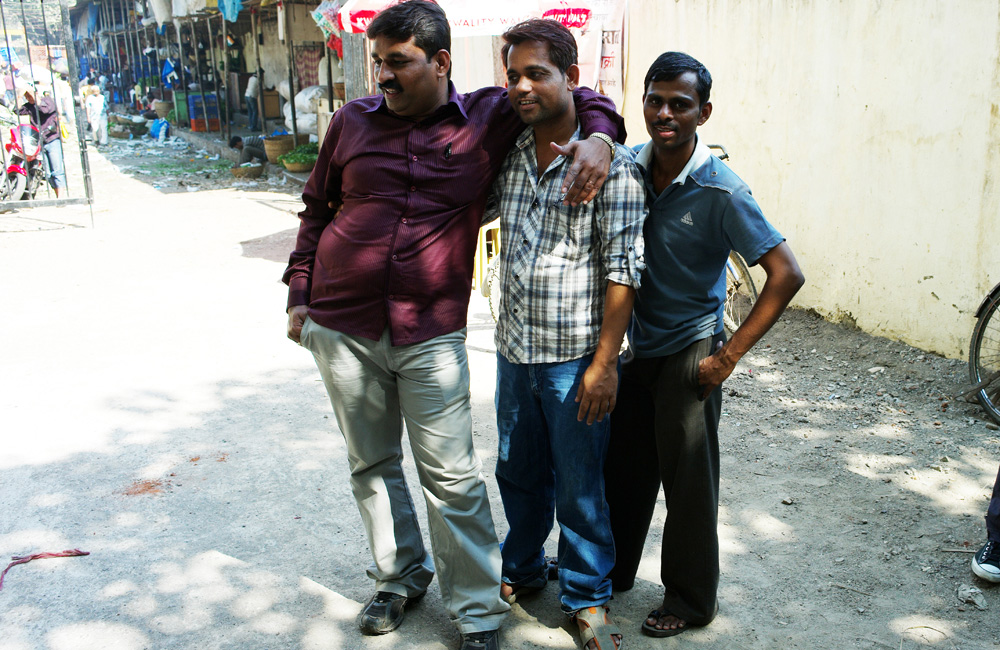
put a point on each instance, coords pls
(10, 68)
(291, 69)
(225, 74)
(74, 79)
(52, 81)
(197, 71)
(329, 82)
(254, 24)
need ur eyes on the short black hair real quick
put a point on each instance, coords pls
(235, 140)
(670, 65)
(562, 45)
(422, 20)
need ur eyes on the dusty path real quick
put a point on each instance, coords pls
(152, 413)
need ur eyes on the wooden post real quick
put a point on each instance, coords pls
(357, 69)
(255, 24)
(197, 71)
(181, 77)
(225, 74)
(285, 7)
(215, 71)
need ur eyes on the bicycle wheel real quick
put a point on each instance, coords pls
(984, 357)
(741, 293)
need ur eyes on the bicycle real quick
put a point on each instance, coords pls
(741, 292)
(984, 355)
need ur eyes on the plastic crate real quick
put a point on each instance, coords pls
(196, 110)
(199, 125)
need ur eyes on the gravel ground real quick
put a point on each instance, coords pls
(155, 416)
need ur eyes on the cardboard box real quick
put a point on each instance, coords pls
(272, 103)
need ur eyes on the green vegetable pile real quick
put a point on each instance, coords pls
(305, 153)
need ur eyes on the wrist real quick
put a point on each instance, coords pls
(605, 138)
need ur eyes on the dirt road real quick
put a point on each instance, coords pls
(154, 415)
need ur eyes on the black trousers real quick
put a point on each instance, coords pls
(992, 513)
(661, 434)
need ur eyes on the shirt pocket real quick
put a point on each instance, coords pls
(459, 178)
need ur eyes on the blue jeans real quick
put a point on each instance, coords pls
(252, 113)
(53, 155)
(549, 463)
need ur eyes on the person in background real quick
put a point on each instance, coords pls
(986, 561)
(9, 74)
(96, 107)
(665, 429)
(251, 94)
(44, 115)
(250, 148)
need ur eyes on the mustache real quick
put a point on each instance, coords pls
(390, 85)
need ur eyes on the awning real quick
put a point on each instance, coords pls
(475, 17)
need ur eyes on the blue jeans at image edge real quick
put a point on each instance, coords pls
(549, 462)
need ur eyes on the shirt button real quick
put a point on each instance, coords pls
(414, 159)
(515, 310)
(413, 188)
(404, 220)
(392, 297)
(524, 241)
(393, 257)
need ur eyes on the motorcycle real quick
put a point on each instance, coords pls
(25, 169)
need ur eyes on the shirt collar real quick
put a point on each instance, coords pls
(527, 136)
(453, 98)
(698, 158)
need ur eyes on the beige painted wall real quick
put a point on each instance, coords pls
(869, 132)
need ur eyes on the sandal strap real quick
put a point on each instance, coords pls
(596, 626)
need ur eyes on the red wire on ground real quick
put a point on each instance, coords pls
(24, 559)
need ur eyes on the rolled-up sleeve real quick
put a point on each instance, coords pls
(621, 206)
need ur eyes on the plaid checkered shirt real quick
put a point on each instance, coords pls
(556, 260)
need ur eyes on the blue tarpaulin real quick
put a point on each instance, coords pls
(230, 9)
(9, 55)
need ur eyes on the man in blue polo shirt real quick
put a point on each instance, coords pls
(665, 429)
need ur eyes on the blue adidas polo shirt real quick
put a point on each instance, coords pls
(705, 213)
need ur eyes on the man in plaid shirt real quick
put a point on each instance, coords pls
(568, 279)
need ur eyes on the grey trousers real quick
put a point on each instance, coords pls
(374, 387)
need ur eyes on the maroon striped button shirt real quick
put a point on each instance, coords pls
(400, 254)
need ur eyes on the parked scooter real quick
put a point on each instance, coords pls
(25, 168)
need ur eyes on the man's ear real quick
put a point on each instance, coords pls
(573, 76)
(443, 61)
(706, 112)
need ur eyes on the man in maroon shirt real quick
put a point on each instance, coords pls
(379, 294)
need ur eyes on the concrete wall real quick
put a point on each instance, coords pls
(869, 132)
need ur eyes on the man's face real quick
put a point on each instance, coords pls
(535, 87)
(672, 112)
(412, 85)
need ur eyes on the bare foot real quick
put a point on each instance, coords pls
(665, 621)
